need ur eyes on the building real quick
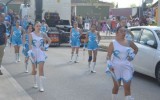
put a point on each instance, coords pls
(90, 8)
(14, 4)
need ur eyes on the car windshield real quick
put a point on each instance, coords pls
(158, 33)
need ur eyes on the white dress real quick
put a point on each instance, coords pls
(123, 68)
(37, 48)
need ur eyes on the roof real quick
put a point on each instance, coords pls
(121, 12)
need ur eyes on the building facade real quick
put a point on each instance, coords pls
(90, 8)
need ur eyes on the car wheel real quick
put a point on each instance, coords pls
(158, 74)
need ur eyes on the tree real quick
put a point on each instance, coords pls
(133, 5)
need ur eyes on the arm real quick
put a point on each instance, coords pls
(109, 55)
(99, 37)
(47, 28)
(134, 47)
(132, 52)
(70, 33)
(86, 38)
(5, 35)
(129, 31)
(47, 38)
(30, 41)
(23, 39)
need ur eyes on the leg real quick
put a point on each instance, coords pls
(34, 73)
(16, 53)
(18, 49)
(72, 53)
(77, 51)
(127, 90)
(1, 56)
(41, 76)
(26, 64)
(115, 89)
(89, 59)
(94, 60)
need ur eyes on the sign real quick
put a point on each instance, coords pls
(149, 1)
(87, 26)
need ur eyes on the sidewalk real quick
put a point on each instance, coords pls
(105, 41)
(10, 89)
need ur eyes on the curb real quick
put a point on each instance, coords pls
(20, 93)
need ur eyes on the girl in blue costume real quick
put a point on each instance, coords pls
(25, 22)
(75, 41)
(16, 39)
(44, 27)
(120, 54)
(26, 45)
(93, 39)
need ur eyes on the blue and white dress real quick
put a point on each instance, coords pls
(25, 24)
(43, 28)
(16, 36)
(92, 41)
(123, 68)
(37, 48)
(26, 45)
(75, 38)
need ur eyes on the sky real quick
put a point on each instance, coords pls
(126, 3)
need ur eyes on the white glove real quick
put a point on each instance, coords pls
(131, 55)
(31, 56)
(46, 46)
(109, 63)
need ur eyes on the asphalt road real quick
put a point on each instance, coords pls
(73, 81)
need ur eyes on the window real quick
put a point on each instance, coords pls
(136, 33)
(146, 36)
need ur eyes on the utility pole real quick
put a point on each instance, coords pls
(38, 12)
(158, 12)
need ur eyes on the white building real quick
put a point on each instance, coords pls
(63, 7)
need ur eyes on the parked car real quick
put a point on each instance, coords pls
(147, 60)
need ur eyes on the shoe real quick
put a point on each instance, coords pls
(26, 71)
(1, 72)
(35, 86)
(93, 71)
(41, 83)
(76, 58)
(19, 60)
(93, 67)
(35, 81)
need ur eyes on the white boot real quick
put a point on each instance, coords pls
(35, 81)
(71, 57)
(128, 98)
(41, 83)
(76, 58)
(93, 67)
(18, 57)
(26, 67)
(114, 96)
(89, 66)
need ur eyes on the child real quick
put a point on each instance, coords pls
(93, 39)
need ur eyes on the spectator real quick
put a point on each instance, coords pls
(3, 39)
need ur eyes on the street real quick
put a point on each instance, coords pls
(73, 81)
